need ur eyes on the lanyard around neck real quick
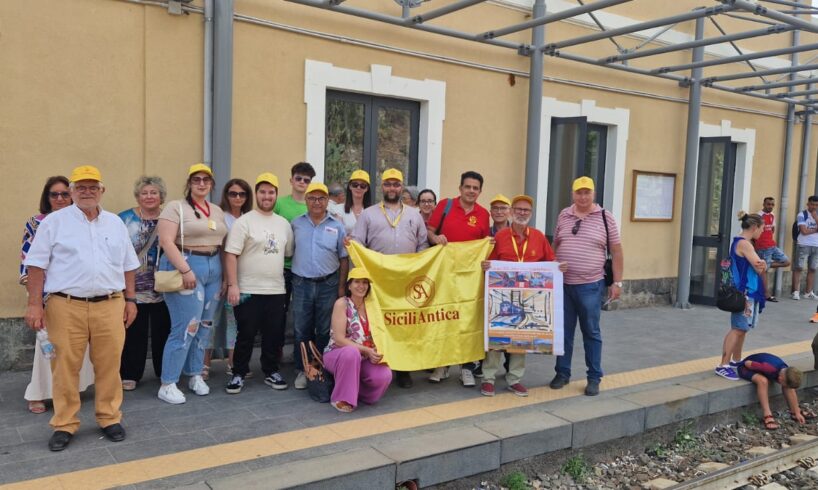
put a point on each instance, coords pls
(206, 213)
(393, 224)
(514, 244)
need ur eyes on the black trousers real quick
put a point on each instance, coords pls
(263, 313)
(152, 320)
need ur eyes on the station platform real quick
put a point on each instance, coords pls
(659, 370)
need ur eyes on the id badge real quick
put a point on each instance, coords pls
(211, 224)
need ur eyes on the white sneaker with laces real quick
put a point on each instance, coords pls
(171, 394)
(467, 377)
(439, 374)
(300, 382)
(198, 386)
(810, 295)
(796, 295)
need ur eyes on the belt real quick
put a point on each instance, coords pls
(319, 279)
(92, 299)
(201, 253)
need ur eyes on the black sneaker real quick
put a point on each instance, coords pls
(592, 388)
(235, 385)
(558, 382)
(478, 370)
(276, 382)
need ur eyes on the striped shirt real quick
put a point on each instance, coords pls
(585, 251)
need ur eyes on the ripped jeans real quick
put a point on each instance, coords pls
(191, 317)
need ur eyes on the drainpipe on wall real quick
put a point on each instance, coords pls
(806, 142)
(535, 80)
(207, 130)
(694, 107)
(222, 90)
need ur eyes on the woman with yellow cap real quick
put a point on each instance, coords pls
(358, 198)
(351, 355)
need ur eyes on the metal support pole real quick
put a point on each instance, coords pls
(773, 14)
(694, 107)
(784, 202)
(223, 90)
(434, 14)
(788, 83)
(547, 19)
(207, 130)
(734, 59)
(806, 142)
(535, 80)
(753, 74)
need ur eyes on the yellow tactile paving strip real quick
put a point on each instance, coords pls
(235, 452)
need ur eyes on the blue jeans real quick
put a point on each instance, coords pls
(311, 305)
(583, 302)
(191, 317)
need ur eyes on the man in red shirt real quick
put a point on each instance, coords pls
(518, 243)
(459, 219)
(766, 246)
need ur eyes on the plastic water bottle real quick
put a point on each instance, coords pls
(49, 351)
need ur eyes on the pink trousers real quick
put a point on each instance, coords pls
(356, 378)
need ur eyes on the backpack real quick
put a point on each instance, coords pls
(729, 298)
(795, 229)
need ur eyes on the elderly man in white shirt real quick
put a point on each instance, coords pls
(91, 300)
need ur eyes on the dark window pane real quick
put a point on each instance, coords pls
(394, 143)
(567, 151)
(344, 139)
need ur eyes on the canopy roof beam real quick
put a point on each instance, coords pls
(773, 14)
(768, 86)
(774, 71)
(448, 9)
(735, 59)
(799, 94)
(547, 19)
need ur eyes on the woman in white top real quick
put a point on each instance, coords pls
(358, 198)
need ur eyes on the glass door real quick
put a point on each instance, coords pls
(712, 218)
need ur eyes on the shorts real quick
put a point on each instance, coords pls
(747, 319)
(772, 254)
(807, 252)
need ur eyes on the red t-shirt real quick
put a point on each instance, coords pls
(459, 226)
(535, 247)
(766, 240)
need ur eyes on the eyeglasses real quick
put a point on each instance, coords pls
(358, 185)
(302, 178)
(393, 185)
(427, 201)
(575, 229)
(499, 208)
(314, 199)
(87, 188)
(523, 211)
(201, 180)
(235, 194)
(57, 195)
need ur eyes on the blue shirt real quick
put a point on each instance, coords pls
(318, 248)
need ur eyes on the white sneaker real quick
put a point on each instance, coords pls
(810, 295)
(300, 381)
(467, 377)
(171, 394)
(198, 386)
(439, 374)
(796, 295)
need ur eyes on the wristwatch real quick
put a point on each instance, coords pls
(131, 300)
(618, 284)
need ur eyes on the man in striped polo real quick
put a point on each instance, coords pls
(580, 239)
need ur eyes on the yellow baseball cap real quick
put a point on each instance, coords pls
(523, 197)
(583, 183)
(358, 273)
(85, 172)
(269, 178)
(317, 187)
(392, 173)
(199, 167)
(500, 198)
(360, 175)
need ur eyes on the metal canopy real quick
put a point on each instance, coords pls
(777, 22)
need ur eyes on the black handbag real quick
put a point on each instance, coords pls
(729, 298)
(320, 382)
(608, 259)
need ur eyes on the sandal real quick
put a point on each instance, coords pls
(806, 413)
(128, 384)
(342, 406)
(770, 423)
(36, 407)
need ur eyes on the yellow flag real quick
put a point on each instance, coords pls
(426, 309)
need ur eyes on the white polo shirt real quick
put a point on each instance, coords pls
(82, 258)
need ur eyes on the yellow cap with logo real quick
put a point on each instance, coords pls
(392, 173)
(317, 187)
(85, 172)
(358, 273)
(199, 167)
(523, 197)
(500, 198)
(583, 183)
(360, 175)
(269, 178)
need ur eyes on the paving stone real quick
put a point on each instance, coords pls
(724, 394)
(760, 451)
(71, 459)
(669, 404)
(660, 483)
(773, 486)
(801, 438)
(601, 419)
(529, 434)
(124, 451)
(711, 466)
(357, 469)
(443, 456)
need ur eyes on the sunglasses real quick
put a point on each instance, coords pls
(575, 229)
(201, 180)
(235, 194)
(57, 195)
(358, 185)
(302, 178)
(313, 199)
(393, 185)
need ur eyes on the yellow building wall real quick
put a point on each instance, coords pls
(119, 85)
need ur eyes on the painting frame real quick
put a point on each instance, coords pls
(651, 201)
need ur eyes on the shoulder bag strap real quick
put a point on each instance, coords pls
(445, 213)
(607, 235)
(181, 232)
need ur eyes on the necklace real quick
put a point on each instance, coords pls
(142, 215)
